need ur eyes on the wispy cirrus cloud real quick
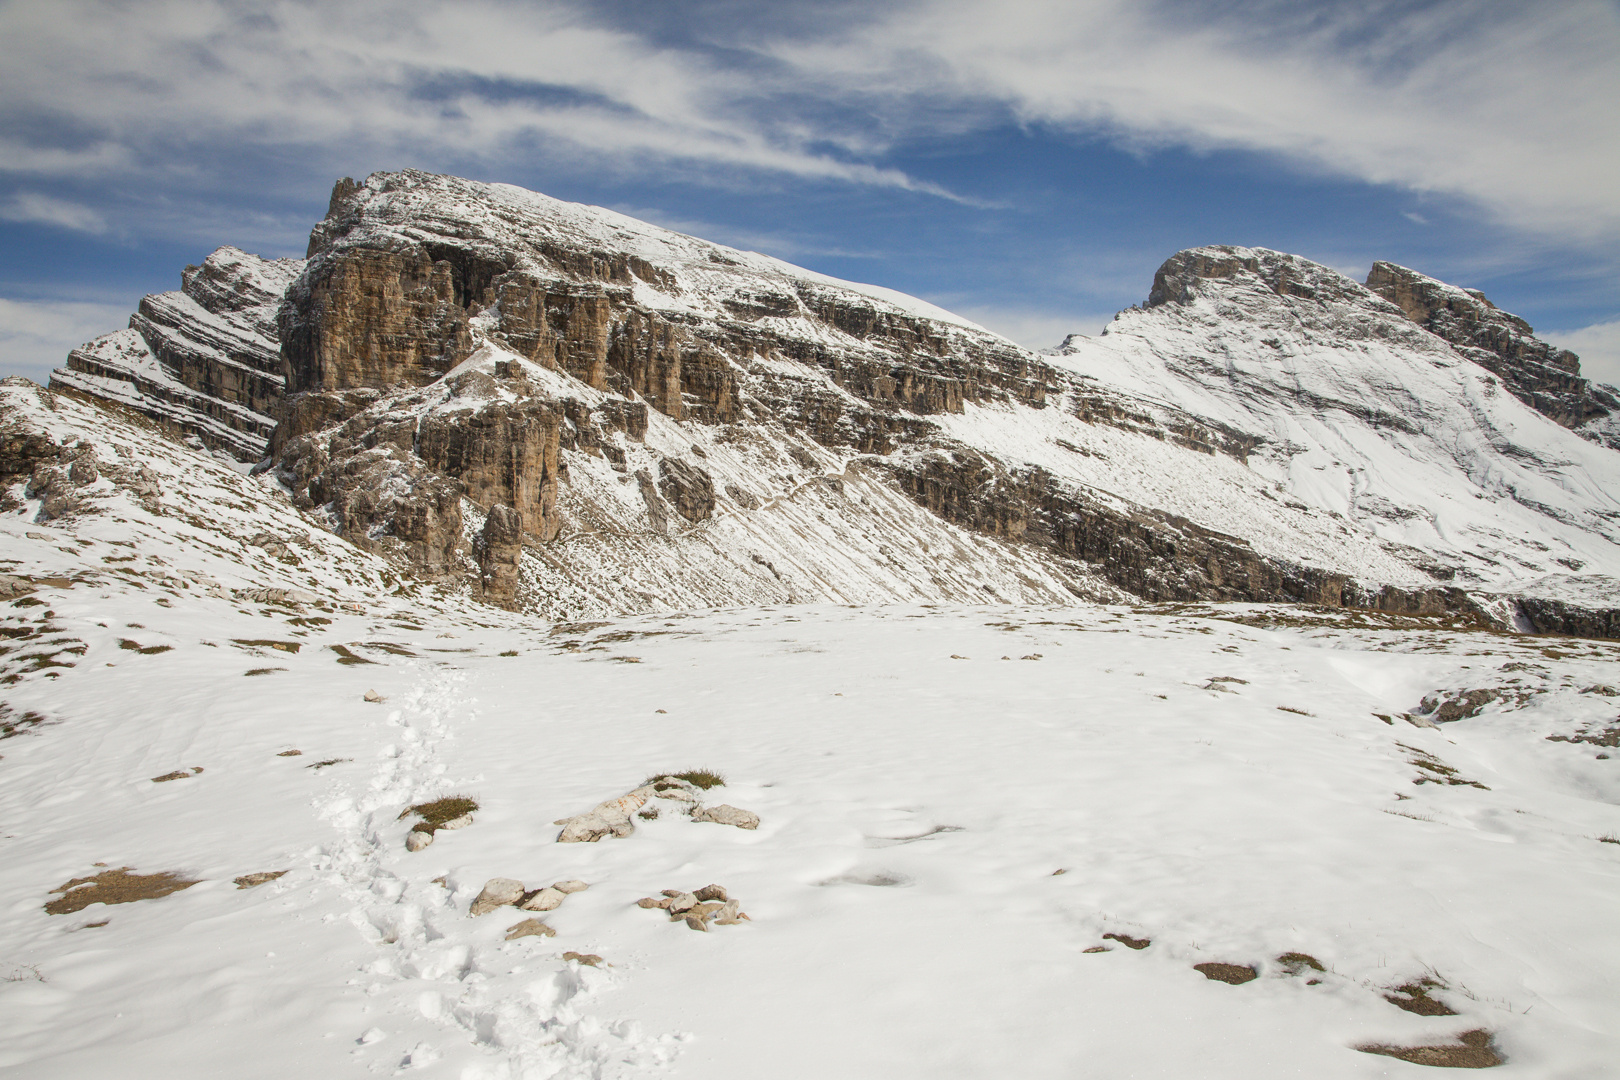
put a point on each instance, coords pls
(33, 208)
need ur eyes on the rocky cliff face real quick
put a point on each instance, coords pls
(559, 409)
(1541, 375)
(206, 359)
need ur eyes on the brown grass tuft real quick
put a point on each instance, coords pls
(698, 778)
(114, 887)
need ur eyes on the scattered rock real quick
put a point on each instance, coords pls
(573, 885)
(1448, 707)
(417, 839)
(290, 753)
(178, 774)
(588, 959)
(1231, 974)
(1473, 1050)
(248, 881)
(698, 909)
(544, 900)
(528, 928)
(455, 823)
(374, 697)
(730, 914)
(725, 814)
(497, 893)
(1097, 948)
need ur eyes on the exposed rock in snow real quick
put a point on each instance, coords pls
(529, 928)
(1540, 374)
(725, 814)
(496, 893)
(206, 359)
(547, 899)
(612, 817)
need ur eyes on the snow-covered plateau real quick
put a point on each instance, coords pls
(990, 837)
(517, 642)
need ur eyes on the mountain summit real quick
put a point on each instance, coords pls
(563, 410)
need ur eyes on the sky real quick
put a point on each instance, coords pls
(1025, 163)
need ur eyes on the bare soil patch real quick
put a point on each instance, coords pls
(1473, 1050)
(1128, 941)
(1231, 974)
(1414, 998)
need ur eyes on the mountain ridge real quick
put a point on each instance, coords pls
(563, 410)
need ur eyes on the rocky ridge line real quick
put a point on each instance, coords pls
(568, 411)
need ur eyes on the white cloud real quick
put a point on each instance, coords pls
(1597, 345)
(1034, 329)
(37, 335)
(34, 208)
(1507, 106)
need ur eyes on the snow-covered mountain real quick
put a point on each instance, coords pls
(575, 413)
(1354, 838)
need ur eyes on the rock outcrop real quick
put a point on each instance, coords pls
(1543, 376)
(206, 359)
(559, 409)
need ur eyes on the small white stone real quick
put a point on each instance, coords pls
(573, 885)
(417, 839)
(457, 823)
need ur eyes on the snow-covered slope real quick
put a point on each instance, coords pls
(987, 834)
(1372, 423)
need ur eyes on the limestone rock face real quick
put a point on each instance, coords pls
(559, 409)
(205, 360)
(500, 555)
(1539, 374)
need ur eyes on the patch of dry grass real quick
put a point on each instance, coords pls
(698, 778)
(439, 811)
(114, 887)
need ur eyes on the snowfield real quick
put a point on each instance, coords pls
(1216, 781)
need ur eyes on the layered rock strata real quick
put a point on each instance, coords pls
(1543, 376)
(205, 359)
(560, 409)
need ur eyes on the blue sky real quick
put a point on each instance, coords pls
(1027, 163)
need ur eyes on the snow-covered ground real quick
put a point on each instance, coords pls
(1217, 781)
